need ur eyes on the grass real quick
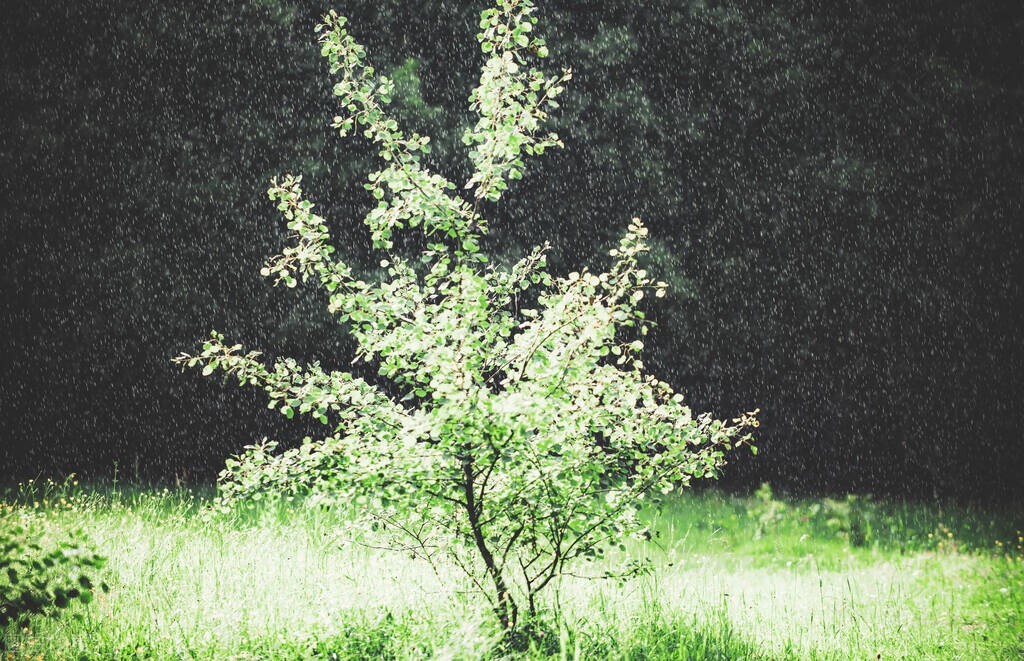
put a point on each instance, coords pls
(752, 578)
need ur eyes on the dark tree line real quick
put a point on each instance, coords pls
(834, 191)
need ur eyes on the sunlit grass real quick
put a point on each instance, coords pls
(733, 578)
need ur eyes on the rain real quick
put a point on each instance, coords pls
(833, 193)
(833, 202)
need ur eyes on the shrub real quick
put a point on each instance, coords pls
(850, 518)
(766, 510)
(43, 575)
(512, 430)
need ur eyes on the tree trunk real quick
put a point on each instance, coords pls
(505, 607)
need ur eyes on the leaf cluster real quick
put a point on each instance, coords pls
(40, 575)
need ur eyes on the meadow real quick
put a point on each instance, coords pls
(733, 577)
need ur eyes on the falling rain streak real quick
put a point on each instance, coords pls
(833, 192)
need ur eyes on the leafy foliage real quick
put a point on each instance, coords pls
(517, 432)
(766, 510)
(849, 518)
(39, 575)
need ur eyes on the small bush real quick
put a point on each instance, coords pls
(766, 511)
(40, 574)
(850, 518)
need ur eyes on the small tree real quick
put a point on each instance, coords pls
(525, 435)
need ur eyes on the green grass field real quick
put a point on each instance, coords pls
(756, 577)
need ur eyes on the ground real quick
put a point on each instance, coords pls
(733, 577)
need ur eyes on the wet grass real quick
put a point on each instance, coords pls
(734, 578)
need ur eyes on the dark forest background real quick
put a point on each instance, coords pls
(834, 192)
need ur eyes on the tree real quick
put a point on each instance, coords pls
(513, 431)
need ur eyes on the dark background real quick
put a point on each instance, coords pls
(834, 192)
